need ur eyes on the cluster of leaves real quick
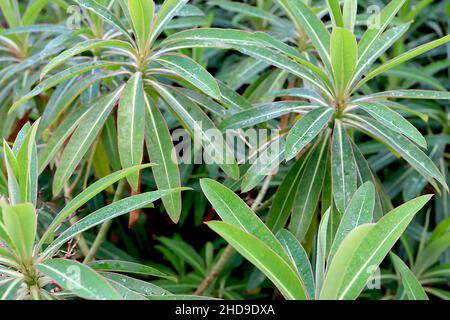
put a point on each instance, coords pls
(361, 102)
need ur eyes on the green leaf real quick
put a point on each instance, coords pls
(79, 279)
(161, 151)
(335, 13)
(192, 72)
(108, 212)
(138, 286)
(309, 189)
(412, 286)
(407, 94)
(403, 58)
(359, 211)
(86, 195)
(334, 276)
(200, 128)
(266, 162)
(264, 112)
(141, 14)
(8, 290)
(83, 137)
(355, 257)
(130, 126)
(306, 19)
(344, 55)
(128, 267)
(393, 121)
(299, 258)
(343, 167)
(431, 253)
(185, 252)
(264, 258)
(61, 77)
(349, 14)
(415, 157)
(306, 129)
(20, 223)
(83, 47)
(369, 39)
(380, 45)
(283, 201)
(105, 14)
(234, 211)
(165, 14)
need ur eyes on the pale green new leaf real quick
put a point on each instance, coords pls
(264, 258)
(344, 55)
(359, 211)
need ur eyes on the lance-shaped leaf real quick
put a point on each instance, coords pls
(309, 189)
(83, 138)
(377, 26)
(128, 267)
(306, 129)
(135, 285)
(343, 168)
(306, 19)
(349, 14)
(335, 13)
(233, 210)
(83, 47)
(192, 72)
(105, 14)
(265, 163)
(382, 43)
(299, 258)
(9, 290)
(61, 77)
(201, 128)
(141, 16)
(393, 121)
(265, 112)
(365, 248)
(86, 195)
(108, 212)
(343, 58)
(20, 223)
(130, 126)
(165, 14)
(407, 94)
(79, 279)
(161, 151)
(415, 157)
(413, 288)
(284, 199)
(264, 258)
(403, 58)
(359, 211)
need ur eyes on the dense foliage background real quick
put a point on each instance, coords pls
(356, 98)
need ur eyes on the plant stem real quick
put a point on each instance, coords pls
(104, 228)
(229, 250)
